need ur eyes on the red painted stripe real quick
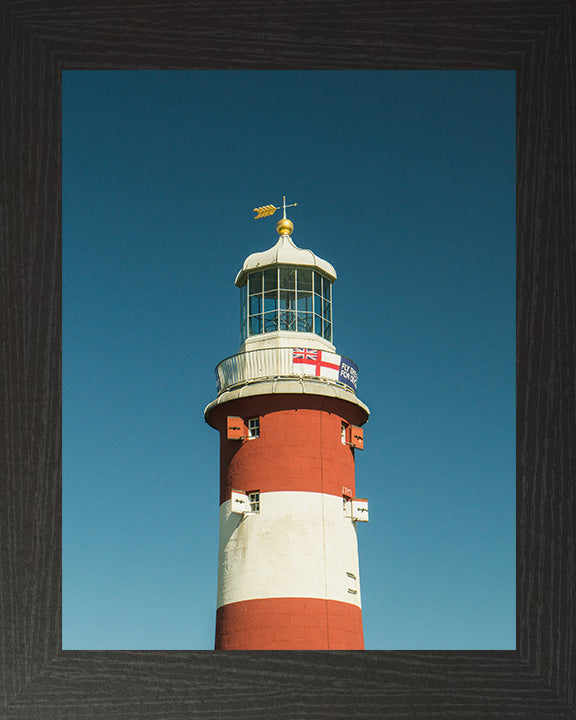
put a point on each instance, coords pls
(289, 624)
(299, 449)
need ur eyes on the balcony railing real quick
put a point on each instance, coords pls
(286, 362)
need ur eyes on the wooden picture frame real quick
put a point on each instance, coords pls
(40, 38)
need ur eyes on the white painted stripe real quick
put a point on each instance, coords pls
(300, 544)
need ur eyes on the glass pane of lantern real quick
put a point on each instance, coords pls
(270, 321)
(304, 322)
(305, 279)
(255, 304)
(317, 283)
(255, 282)
(255, 325)
(304, 302)
(326, 288)
(287, 299)
(287, 320)
(287, 278)
(270, 279)
(270, 300)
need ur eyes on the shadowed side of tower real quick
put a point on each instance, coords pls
(289, 423)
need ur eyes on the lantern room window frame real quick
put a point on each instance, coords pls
(286, 298)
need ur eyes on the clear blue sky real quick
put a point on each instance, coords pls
(406, 184)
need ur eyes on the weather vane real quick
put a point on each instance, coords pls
(267, 210)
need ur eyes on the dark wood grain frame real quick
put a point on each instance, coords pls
(40, 38)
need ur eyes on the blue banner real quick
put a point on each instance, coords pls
(348, 373)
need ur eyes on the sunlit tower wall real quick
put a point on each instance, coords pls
(289, 423)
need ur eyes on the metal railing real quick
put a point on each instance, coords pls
(258, 365)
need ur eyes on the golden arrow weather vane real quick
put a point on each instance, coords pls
(267, 210)
(264, 211)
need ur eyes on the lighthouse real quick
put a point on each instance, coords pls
(290, 423)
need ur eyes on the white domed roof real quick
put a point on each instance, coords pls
(284, 253)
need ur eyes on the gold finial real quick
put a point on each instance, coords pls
(284, 226)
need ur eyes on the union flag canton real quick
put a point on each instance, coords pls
(301, 355)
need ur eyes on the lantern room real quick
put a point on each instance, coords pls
(285, 297)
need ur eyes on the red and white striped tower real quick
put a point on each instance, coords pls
(289, 423)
